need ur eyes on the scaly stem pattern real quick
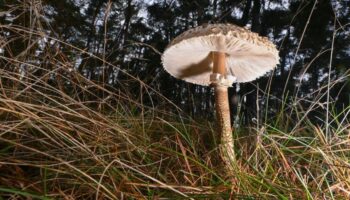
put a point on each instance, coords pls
(223, 113)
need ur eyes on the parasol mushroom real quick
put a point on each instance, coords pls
(219, 55)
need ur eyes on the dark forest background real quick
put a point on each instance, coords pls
(118, 44)
(88, 112)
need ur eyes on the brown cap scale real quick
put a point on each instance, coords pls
(248, 56)
(219, 55)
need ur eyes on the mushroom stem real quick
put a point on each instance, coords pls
(223, 112)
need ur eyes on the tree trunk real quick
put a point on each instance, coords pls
(245, 17)
(256, 16)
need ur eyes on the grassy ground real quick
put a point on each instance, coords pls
(56, 145)
(62, 141)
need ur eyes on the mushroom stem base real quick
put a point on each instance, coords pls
(223, 116)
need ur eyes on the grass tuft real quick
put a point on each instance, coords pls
(63, 136)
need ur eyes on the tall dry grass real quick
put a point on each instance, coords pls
(61, 139)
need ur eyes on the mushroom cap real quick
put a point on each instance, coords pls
(248, 55)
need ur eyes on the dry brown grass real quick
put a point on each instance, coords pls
(63, 136)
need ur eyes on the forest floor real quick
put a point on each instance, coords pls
(64, 136)
(59, 146)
